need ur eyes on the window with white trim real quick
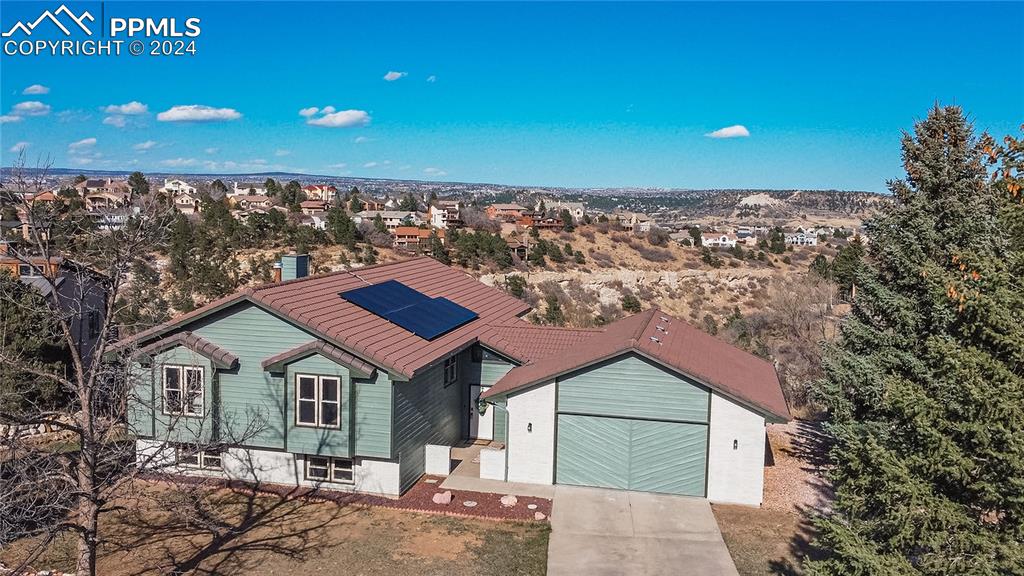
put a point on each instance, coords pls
(329, 469)
(317, 401)
(192, 457)
(183, 390)
(451, 371)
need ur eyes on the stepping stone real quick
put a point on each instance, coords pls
(531, 506)
(431, 480)
(469, 503)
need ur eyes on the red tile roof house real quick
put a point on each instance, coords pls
(353, 401)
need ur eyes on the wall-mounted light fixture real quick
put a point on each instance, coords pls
(529, 427)
(735, 444)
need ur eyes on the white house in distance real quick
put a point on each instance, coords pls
(175, 187)
(392, 218)
(444, 214)
(802, 239)
(247, 189)
(718, 239)
(577, 209)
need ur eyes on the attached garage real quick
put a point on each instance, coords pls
(629, 423)
(649, 404)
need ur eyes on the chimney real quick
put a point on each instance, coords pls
(277, 271)
(294, 266)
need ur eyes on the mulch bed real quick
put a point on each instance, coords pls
(419, 498)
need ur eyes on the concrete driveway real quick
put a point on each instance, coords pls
(601, 532)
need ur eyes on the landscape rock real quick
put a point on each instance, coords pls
(443, 498)
(469, 504)
(531, 506)
(539, 516)
(509, 501)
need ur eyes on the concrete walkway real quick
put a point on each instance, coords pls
(601, 532)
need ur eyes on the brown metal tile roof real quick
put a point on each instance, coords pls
(673, 343)
(314, 303)
(219, 356)
(359, 368)
(527, 342)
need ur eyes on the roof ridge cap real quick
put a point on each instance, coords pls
(268, 285)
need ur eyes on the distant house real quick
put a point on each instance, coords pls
(175, 187)
(247, 201)
(505, 212)
(81, 293)
(100, 194)
(518, 245)
(247, 189)
(315, 220)
(415, 238)
(802, 239)
(377, 205)
(539, 221)
(637, 221)
(718, 240)
(360, 391)
(324, 192)
(577, 209)
(312, 206)
(187, 203)
(392, 218)
(445, 214)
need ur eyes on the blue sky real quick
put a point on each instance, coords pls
(568, 94)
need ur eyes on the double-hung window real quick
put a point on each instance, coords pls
(327, 469)
(317, 401)
(451, 371)
(183, 390)
(192, 457)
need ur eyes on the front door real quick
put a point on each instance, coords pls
(481, 427)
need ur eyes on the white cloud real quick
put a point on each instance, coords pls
(5, 118)
(371, 165)
(147, 145)
(431, 78)
(391, 76)
(434, 172)
(36, 89)
(338, 165)
(19, 147)
(81, 160)
(737, 131)
(81, 146)
(211, 150)
(198, 113)
(73, 115)
(30, 108)
(307, 112)
(130, 109)
(341, 119)
(116, 121)
(179, 162)
(282, 152)
(361, 139)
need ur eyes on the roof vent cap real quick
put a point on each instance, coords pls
(661, 328)
(665, 319)
(655, 339)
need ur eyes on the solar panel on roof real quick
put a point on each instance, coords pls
(432, 318)
(384, 297)
(425, 317)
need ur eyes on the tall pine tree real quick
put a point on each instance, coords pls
(925, 390)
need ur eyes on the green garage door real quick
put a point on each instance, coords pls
(645, 455)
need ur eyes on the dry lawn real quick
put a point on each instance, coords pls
(236, 532)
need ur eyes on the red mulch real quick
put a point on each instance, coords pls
(419, 498)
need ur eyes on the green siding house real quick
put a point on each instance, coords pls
(301, 382)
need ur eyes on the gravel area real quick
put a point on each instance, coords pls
(419, 498)
(796, 480)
